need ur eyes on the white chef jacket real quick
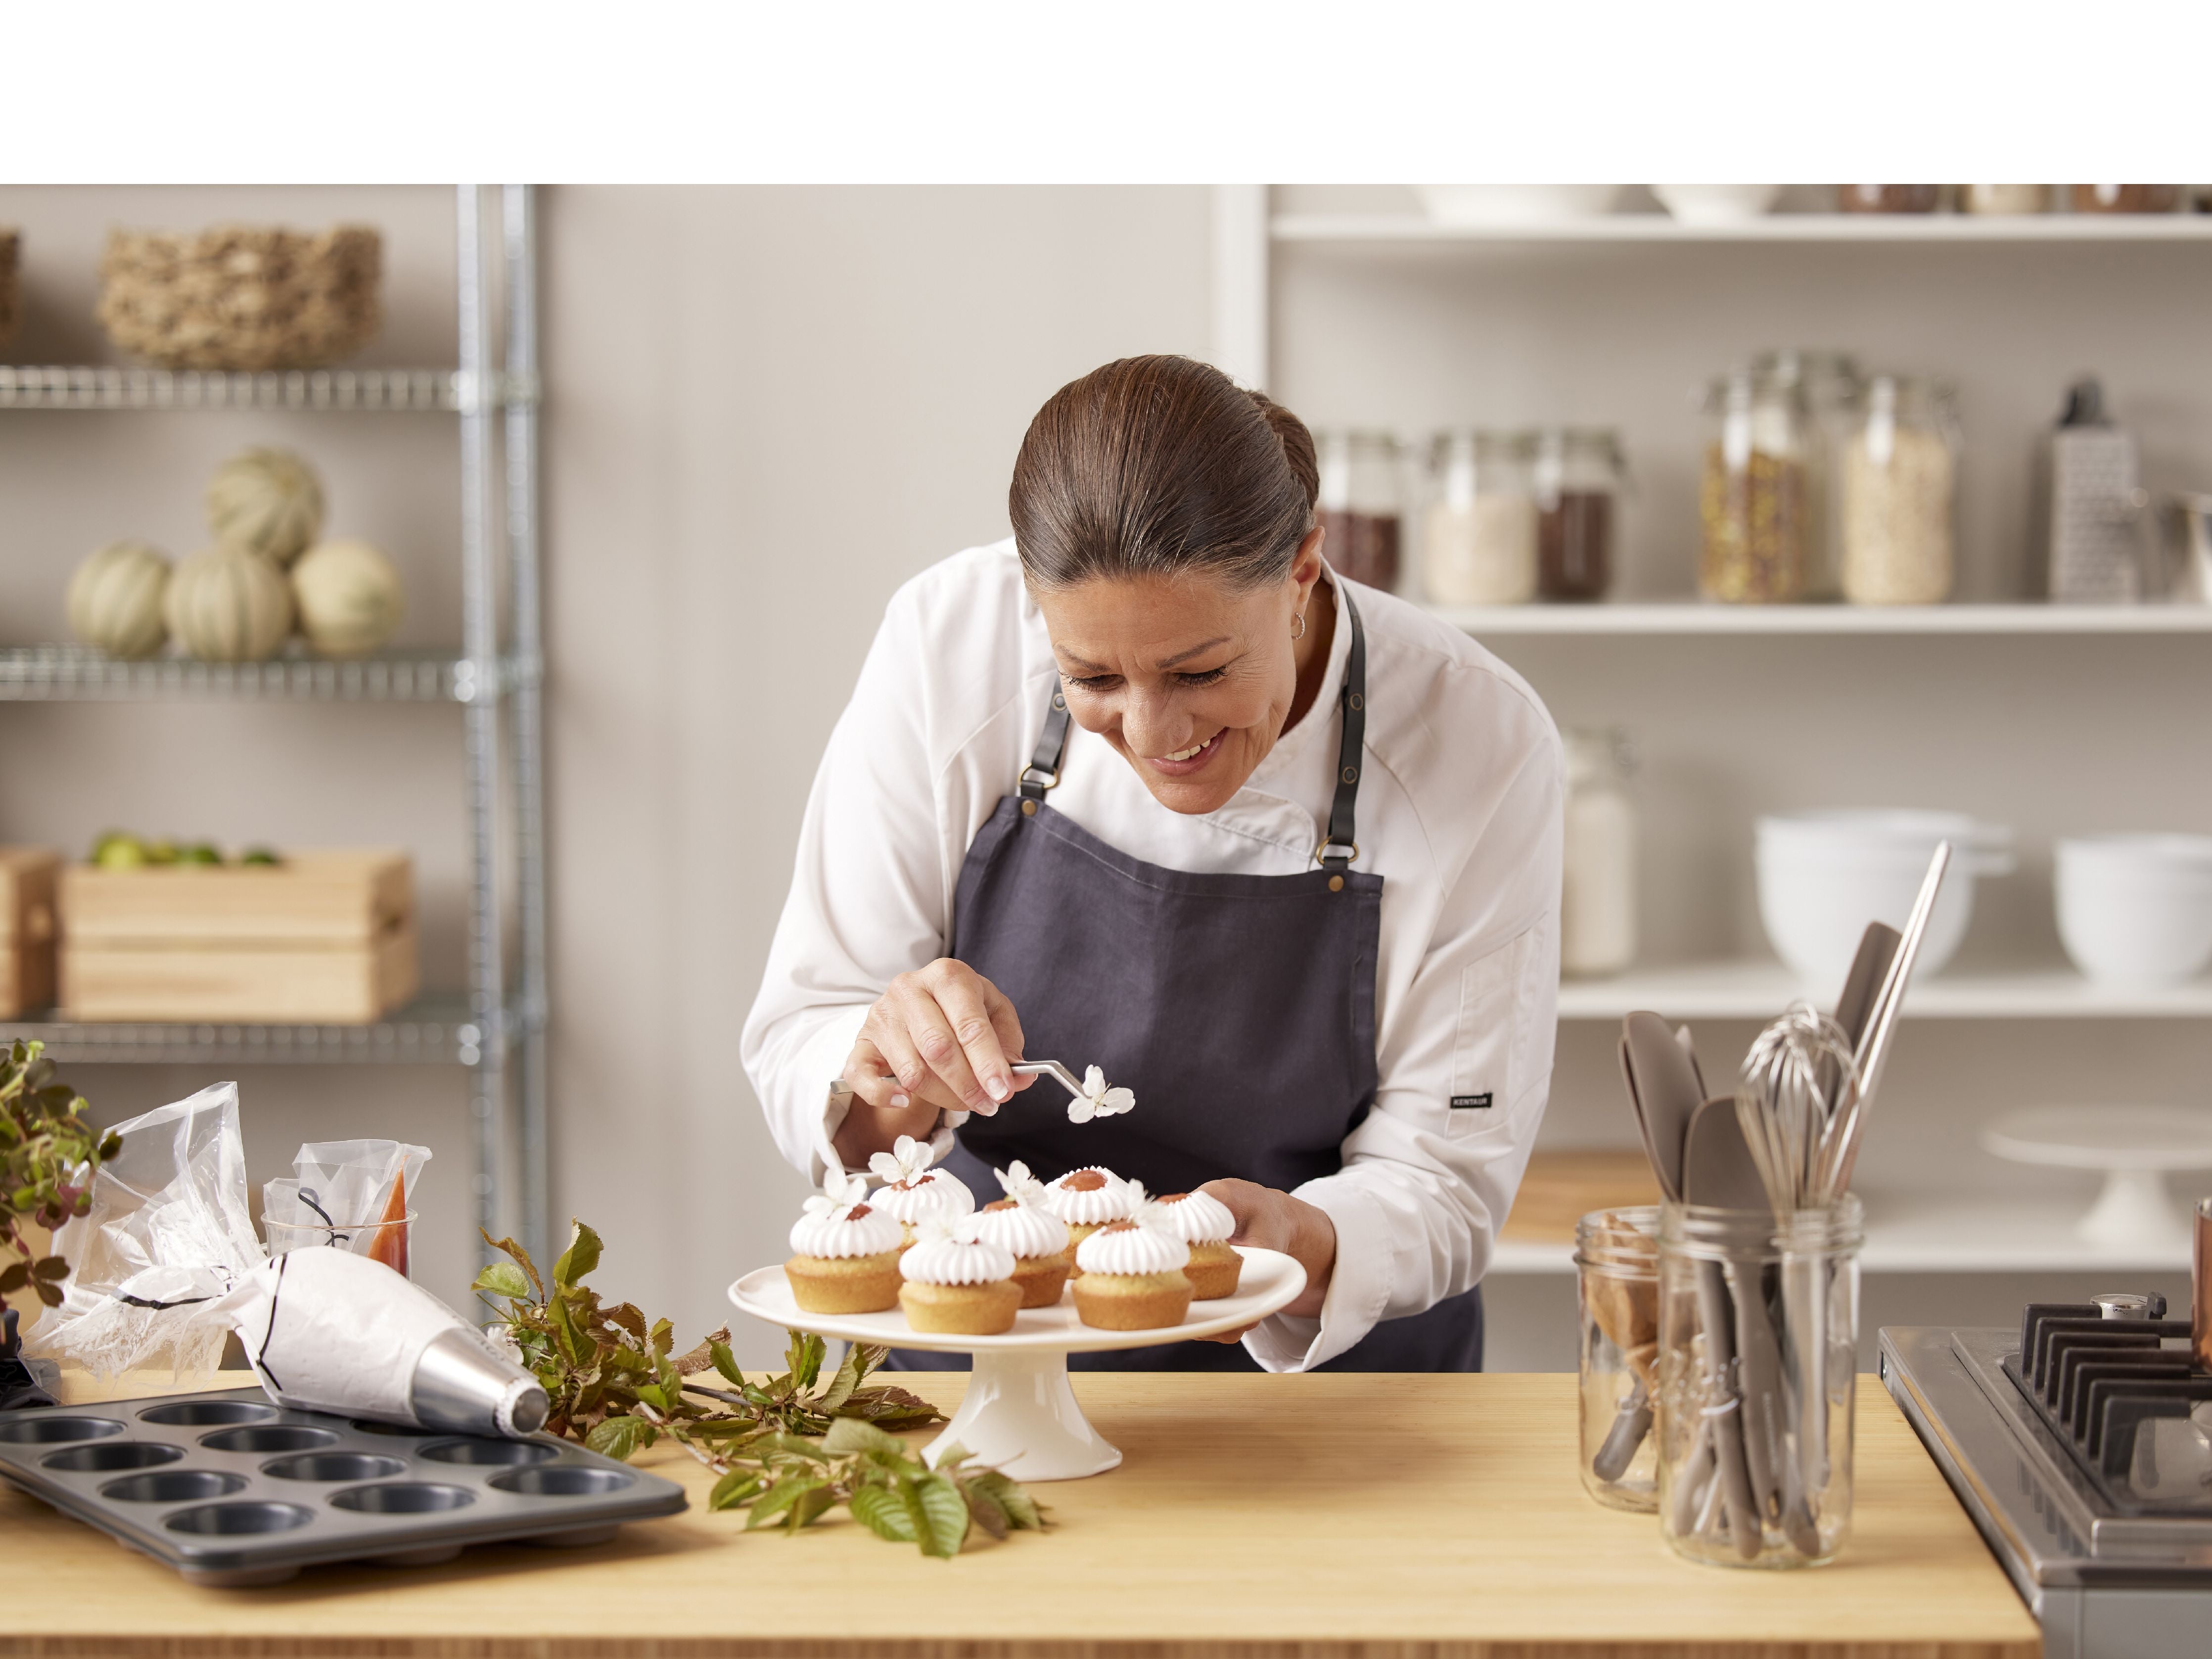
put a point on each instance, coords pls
(1459, 810)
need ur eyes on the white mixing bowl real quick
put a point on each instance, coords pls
(1514, 204)
(1824, 876)
(1716, 204)
(2135, 912)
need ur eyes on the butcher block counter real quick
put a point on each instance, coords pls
(1355, 1518)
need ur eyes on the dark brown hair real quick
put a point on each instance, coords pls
(1159, 465)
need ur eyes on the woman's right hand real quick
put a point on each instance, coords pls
(942, 1038)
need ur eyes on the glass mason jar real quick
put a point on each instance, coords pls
(386, 1242)
(1616, 1298)
(1478, 538)
(1889, 198)
(1898, 493)
(1830, 387)
(1577, 477)
(1597, 897)
(1752, 498)
(1759, 1320)
(1359, 505)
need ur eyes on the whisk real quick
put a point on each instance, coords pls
(1798, 1080)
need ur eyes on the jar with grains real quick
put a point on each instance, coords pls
(1577, 474)
(1752, 495)
(1479, 539)
(2007, 199)
(1899, 489)
(1830, 385)
(1889, 198)
(1597, 889)
(1360, 504)
(2126, 198)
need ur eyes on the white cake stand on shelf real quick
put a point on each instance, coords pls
(1020, 1414)
(2134, 1147)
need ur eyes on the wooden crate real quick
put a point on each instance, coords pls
(27, 928)
(325, 938)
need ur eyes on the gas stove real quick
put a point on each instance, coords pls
(2071, 1443)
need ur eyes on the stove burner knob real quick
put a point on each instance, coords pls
(2130, 1305)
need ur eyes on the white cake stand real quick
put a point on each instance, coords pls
(2134, 1147)
(1020, 1414)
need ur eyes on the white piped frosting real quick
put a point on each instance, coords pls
(1198, 1217)
(912, 1192)
(1088, 1207)
(1127, 1248)
(838, 1224)
(943, 1258)
(1028, 1229)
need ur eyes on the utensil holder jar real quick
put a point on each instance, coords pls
(1616, 1298)
(1756, 1365)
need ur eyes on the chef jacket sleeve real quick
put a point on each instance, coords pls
(1465, 1064)
(871, 892)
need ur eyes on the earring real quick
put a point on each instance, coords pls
(1301, 633)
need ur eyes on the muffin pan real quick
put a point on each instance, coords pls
(232, 1491)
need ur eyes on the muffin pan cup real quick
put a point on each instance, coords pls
(232, 1491)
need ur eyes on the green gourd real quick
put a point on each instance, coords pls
(228, 605)
(268, 502)
(115, 599)
(349, 597)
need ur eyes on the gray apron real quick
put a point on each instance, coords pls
(1240, 1009)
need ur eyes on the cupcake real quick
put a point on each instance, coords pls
(845, 1252)
(913, 1193)
(957, 1284)
(1086, 1200)
(1043, 1254)
(1132, 1278)
(1204, 1222)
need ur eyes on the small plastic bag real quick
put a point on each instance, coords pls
(170, 1229)
(352, 1195)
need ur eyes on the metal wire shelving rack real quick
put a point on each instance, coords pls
(497, 1029)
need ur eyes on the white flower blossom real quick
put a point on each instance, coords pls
(906, 1161)
(501, 1340)
(1019, 1184)
(1096, 1100)
(841, 1190)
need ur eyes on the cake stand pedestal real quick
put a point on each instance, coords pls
(2135, 1147)
(1020, 1414)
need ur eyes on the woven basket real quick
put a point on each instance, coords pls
(7, 284)
(241, 297)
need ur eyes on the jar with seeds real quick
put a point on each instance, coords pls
(1752, 497)
(1900, 473)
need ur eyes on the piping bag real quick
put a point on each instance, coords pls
(326, 1330)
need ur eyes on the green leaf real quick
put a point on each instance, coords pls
(781, 1495)
(983, 1510)
(726, 1363)
(952, 1457)
(942, 1515)
(849, 1434)
(51, 1266)
(49, 1294)
(1021, 1510)
(808, 1508)
(884, 1512)
(579, 1258)
(662, 1337)
(521, 1258)
(628, 1317)
(790, 1444)
(737, 1486)
(14, 1276)
(848, 1376)
(653, 1396)
(804, 1357)
(619, 1436)
(503, 1279)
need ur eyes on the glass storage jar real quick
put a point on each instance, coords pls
(1597, 891)
(1830, 387)
(1360, 504)
(1758, 1361)
(1898, 494)
(1617, 1299)
(1577, 477)
(1889, 198)
(1479, 539)
(1752, 497)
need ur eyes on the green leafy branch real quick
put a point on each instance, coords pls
(48, 1153)
(787, 1449)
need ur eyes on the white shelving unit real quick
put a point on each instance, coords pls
(1693, 618)
(1659, 227)
(1758, 990)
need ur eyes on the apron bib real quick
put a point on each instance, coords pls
(1240, 1009)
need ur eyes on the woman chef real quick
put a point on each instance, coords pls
(1150, 787)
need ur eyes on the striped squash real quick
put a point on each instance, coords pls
(115, 599)
(228, 605)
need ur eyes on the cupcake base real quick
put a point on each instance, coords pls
(1212, 1270)
(1042, 1278)
(844, 1284)
(1132, 1302)
(1077, 1232)
(961, 1309)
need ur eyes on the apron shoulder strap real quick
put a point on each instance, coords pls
(1043, 770)
(1338, 847)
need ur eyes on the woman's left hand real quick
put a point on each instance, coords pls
(1274, 1220)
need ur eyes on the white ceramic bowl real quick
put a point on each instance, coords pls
(1824, 876)
(1716, 204)
(1514, 204)
(2135, 912)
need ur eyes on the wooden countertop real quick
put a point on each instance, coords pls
(1255, 1517)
